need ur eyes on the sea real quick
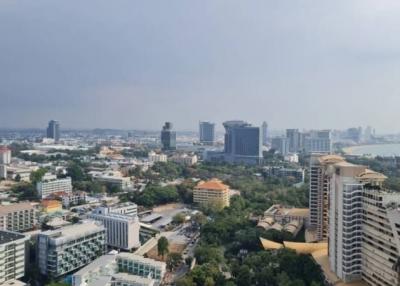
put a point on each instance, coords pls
(383, 150)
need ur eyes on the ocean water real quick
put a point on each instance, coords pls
(384, 150)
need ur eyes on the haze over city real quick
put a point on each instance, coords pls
(136, 64)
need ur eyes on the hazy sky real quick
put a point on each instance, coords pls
(135, 64)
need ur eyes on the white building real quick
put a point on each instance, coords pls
(3, 171)
(318, 141)
(184, 159)
(5, 155)
(66, 249)
(73, 199)
(129, 209)
(122, 230)
(154, 157)
(114, 178)
(12, 256)
(18, 217)
(47, 187)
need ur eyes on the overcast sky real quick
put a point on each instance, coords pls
(135, 64)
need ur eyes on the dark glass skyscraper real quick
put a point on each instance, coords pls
(207, 133)
(242, 142)
(168, 137)
(53, 130)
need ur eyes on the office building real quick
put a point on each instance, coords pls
(13, 252)
(154, 157)
(207, 133)
(53, 130)
(294, 138)
(46, 187)
(5, 155)
(264, 128)
(122, 230)
(212, 192)
(243, 143)
(319, 193)
(168, 137)
(281, 145)
(64, 250)
(141, 266)
(18, 217)
(318, 141)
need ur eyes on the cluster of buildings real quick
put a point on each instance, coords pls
(359, 219)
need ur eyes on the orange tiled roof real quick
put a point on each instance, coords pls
(50, 203)
(213, 184)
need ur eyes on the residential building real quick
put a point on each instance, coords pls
(3, 171)
(113, 178)
(13, 252)
(64, 250)
(124, 279)
(264, 128)
(280, 144)
(318, 141)
(51, 206)
(319, 193)
(207, 133)
(243, 142)
(53, 130)
(47, 187)
(5, 155)
(18, 217)
(122, 230)
(73, 199)
(129, 209)
(294, 138)
(154, 157)
(168, 137)
(295, 174)
(212, 192)
(184, 159)
(141, 266)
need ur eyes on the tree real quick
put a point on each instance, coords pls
(173, 261)
(18, 178)
(36, 176)
(76, 172)
(162, 246)
(178, 218)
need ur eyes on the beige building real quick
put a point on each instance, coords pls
(212, 192)
(17, 217)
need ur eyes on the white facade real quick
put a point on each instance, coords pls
(154, 157)
(73, 198)
(12, 256)
(122, 230)
(47, 187)
(5, 156)
(17, 217)
(141, 266)
(185, 159)
(3, 171)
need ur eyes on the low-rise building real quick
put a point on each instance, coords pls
(184, 159)
(154, 157)
(46, 188)
(12, 256)
(113, 178)
(212, 192)
(295, 174)
(51, 206)
(73, 199)
(18, 217)
(141, 266)
(66, 249)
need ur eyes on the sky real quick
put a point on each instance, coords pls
(132, 64)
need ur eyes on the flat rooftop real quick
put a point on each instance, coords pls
(5, 209)
(8, 236)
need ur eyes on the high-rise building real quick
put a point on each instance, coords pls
(319, 193)
(294, 137)
(207, 133)
(5, 155)
(122, 230)
(280, 144)
(45, 187)
(243, 142)
(318, 141)
(18, 217)
(53, 130)
(168, 137)
(13, 249)
(66, 249)
(265, 133)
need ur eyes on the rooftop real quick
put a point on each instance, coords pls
(9, 236)
(5, 209)
(141, 259)
(213, 184)
(77, 230)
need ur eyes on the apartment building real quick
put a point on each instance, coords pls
(319, 193)
(66, 249)
(212, 192)
(46, 188)
(184, 159)
(154, 157)
(141, 266)
(18, 217)
(73, 199)
(12, 256)
(122, 230)
(129, 209)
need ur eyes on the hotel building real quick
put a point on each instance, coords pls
(212, 192)
(18, 217)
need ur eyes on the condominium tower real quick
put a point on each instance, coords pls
(53, 130)
(207, 133)
(45, 188)
(168, 137)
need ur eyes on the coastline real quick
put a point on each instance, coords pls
(384, 149)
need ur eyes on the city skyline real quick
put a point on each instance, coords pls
(133, 65)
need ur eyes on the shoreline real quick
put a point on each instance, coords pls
(354, 150)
